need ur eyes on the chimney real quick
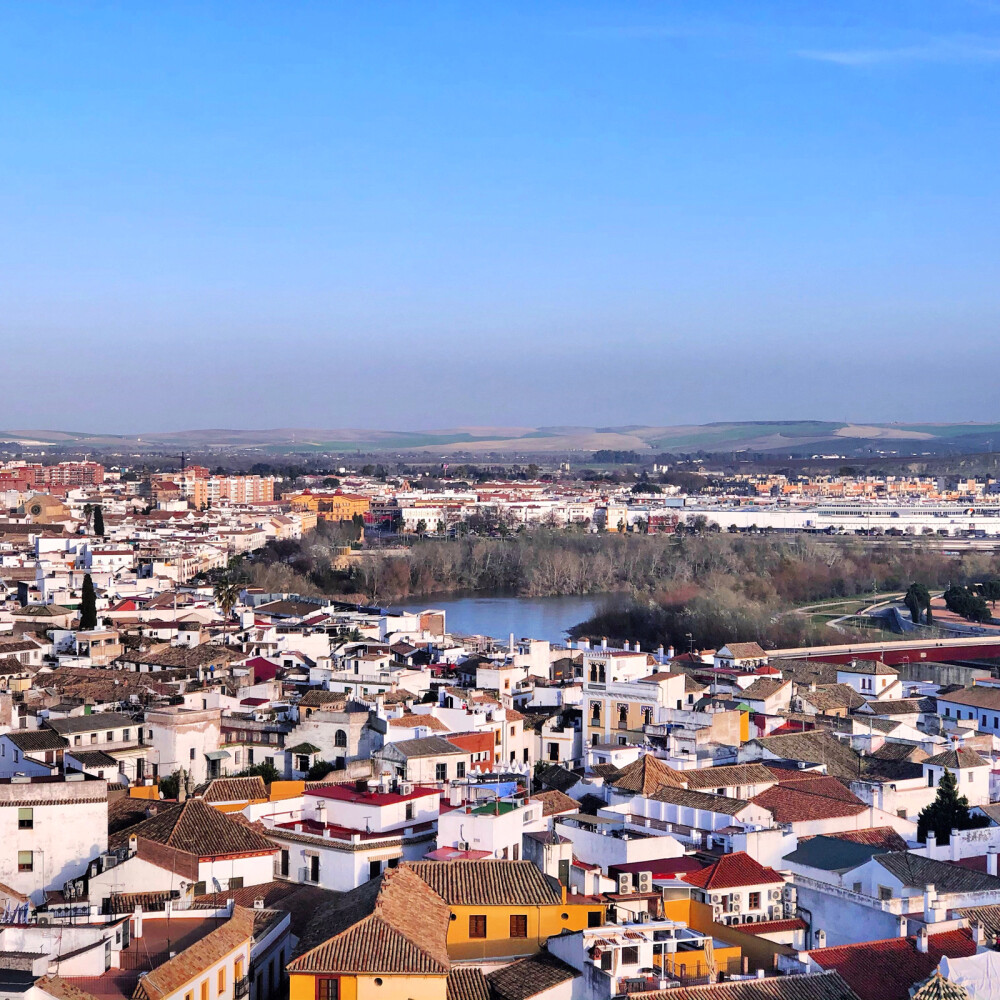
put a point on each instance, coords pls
(625, 646)
(820, 938)
(137, 922)
(670, 652)
(922, 941)
(258, 904)
(930, 895)
(636, 646)
(321, 812)
(659, 650)
(901, 929)
(978, 937)
(991, 862)
(604, 642)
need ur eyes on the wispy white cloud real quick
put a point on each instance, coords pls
(939, 50)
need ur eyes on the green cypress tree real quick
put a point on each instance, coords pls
(98, 520)
(88, 604)
(949, 811)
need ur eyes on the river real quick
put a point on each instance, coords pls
(527, 617)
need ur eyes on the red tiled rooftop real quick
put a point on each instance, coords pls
(348, 793)
(773, 926)
(336, 832)
(733, 870)
(885, 970)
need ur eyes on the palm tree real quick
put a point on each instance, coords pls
(343, 638)
(227, 596)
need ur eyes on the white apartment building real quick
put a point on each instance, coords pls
(50, 828)
(188, 739)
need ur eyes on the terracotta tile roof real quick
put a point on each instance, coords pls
(763, 688)
(30, 741)
(815, 799)
(773, 926)
(467, 984)
(427, 746)
(955, 759)
(317, 698)
(124, 811)
(194, 960)
(978, 696)
(733, 870)
(875, 836)
(896, 706)
(12, 666)
(815, 747)
(300, 902)
(645, 775)
(92, 758)
(745, 650)
(197, 828)
(885, 970)
(96, 722)
(830, 696)
(556, 802)
(235, 790)
(939, 988)
(729, 775)
(151, 902)
(487, 883)
(529, 977)
(62, 989)
(411, 721)
(916, 872)
(555, 776)
(866, 667)
(395, 925)
(821, 986)
(687, 798)
(185, 657)
(898, 752)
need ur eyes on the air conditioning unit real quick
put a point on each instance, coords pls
(462, 845)
(736, 907)
(624, 884)
(716, 898)
(43, 921)
(775, 894)
(645, 881)
(405, 788)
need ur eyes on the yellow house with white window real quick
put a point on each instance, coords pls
(397, 936)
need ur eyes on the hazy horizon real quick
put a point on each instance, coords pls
(407, 216)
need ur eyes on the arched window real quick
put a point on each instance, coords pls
(340, 738)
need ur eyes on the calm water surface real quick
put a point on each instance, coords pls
(529, 617)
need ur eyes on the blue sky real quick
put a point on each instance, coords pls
(418, 215)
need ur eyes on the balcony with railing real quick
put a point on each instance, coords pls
(241, 988)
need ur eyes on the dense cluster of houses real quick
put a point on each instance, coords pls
(295, 797)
